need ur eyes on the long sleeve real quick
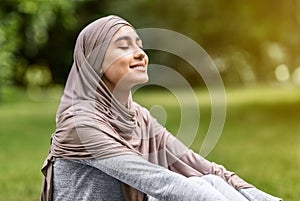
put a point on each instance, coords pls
(253, 194)
(154, 180)
(184, 161)
(192, 164)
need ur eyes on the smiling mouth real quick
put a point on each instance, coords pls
(138, 67)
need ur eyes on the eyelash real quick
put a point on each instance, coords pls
(124, 47)
(127, 47)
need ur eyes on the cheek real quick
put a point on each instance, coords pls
(121, 65)
(115, 60)
(117, 69)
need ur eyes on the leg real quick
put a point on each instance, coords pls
(224, 188)
(208, 191)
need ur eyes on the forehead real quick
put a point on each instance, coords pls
(126, 31)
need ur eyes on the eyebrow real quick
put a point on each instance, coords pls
(127, 38)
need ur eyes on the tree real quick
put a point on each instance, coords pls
(239, 35)
(24, 29)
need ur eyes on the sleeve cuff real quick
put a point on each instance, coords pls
(253, 194)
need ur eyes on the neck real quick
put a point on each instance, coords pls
(120, 92)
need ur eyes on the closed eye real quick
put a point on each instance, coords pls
(124, 47)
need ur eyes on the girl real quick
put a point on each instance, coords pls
(107, 147)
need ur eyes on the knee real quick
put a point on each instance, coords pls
(199, 181)
(213, 179)
(210, 179)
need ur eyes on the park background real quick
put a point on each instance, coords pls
(254, 44)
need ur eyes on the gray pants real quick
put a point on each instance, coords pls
(217, 186)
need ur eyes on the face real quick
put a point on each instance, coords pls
(125, 62)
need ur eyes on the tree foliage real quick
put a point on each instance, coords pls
(247, 39)
(24, 30)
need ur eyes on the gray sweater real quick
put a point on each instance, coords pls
(91, 180)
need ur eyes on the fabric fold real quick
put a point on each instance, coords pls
(92, 124)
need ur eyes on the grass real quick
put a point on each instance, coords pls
(260, 140)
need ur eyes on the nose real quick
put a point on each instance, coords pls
(139, 54)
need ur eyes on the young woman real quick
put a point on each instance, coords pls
(107, 147)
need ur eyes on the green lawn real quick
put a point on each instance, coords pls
(260, 140)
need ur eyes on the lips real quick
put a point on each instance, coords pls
(139, 66)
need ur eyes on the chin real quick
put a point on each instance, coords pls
(140, 81)
(144, 80)
(131, 81)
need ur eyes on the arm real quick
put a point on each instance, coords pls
(154, 180)
(198, 166)
(186, 162)
(190, 164)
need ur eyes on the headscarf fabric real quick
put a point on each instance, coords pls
(92, 124)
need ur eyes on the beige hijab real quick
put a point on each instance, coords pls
(91, 123)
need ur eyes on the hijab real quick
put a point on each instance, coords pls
(92, 124)
(89, 115)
